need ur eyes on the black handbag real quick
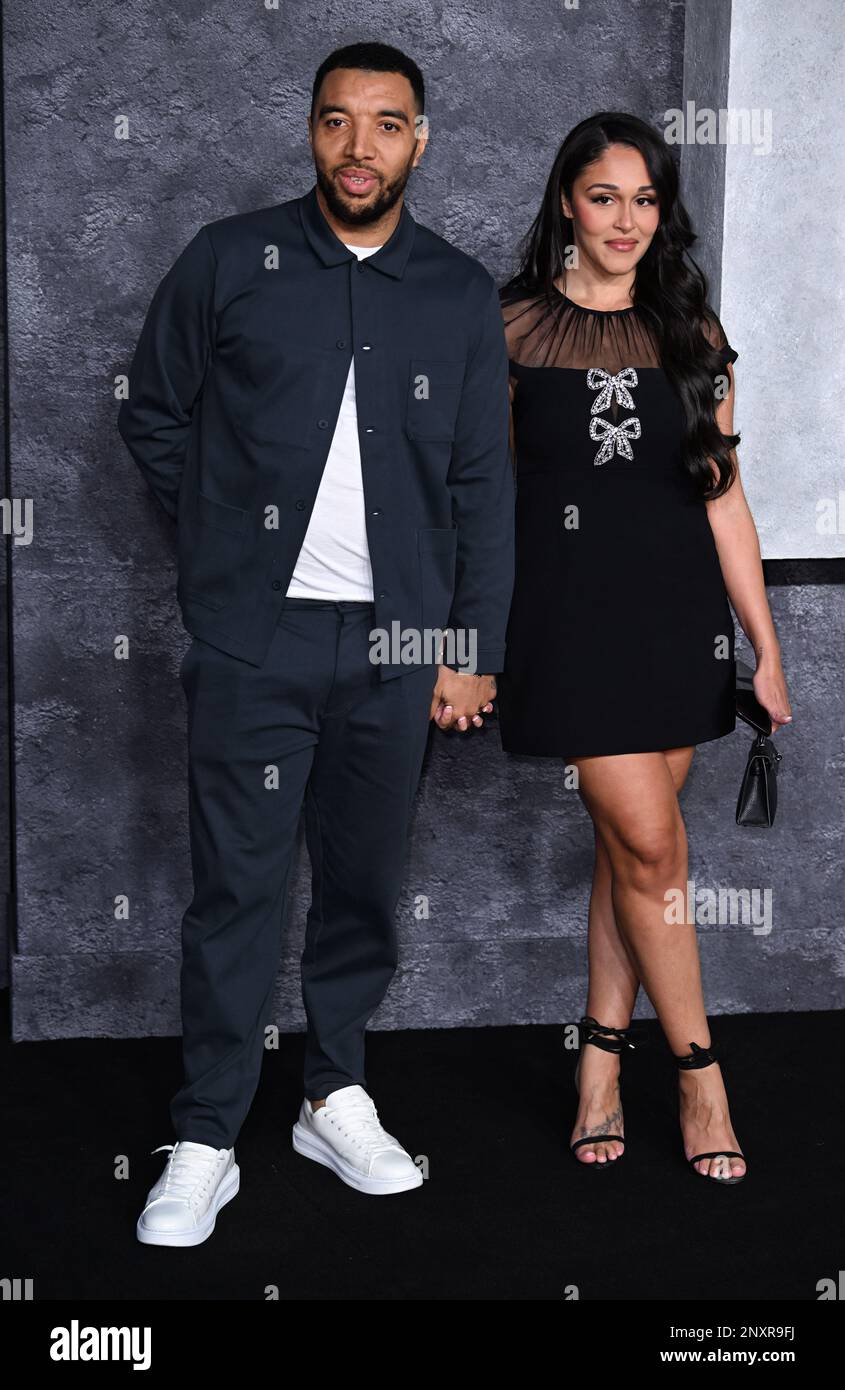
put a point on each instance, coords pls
(758, 793)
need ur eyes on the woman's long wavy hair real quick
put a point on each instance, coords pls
(670, 289)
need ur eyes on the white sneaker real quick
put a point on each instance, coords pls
(345, 1135)
(182, 1206)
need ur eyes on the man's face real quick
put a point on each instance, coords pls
(364, 142)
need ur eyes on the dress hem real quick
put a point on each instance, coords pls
(650, 747)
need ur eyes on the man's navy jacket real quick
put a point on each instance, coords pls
(234, 393)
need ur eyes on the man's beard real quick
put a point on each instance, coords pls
(386, 198)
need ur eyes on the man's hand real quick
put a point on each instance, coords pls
(458, 699)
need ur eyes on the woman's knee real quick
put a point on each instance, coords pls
(650, 856)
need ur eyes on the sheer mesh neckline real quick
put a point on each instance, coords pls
(629, 308)
(544, 332)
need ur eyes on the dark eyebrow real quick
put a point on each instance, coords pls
(643, 188)
(394, 115)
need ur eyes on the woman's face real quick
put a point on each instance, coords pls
(614, 210)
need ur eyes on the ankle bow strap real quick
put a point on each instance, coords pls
(589, 1031)
(699, 1057)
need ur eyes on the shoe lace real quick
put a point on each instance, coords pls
(360, 1123)
(188, 1174)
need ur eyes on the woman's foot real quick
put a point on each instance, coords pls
(599, 1107)
(706, 1122)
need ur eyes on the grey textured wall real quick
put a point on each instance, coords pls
(785, 264)
(216, 99)
(6, 797)
(707, 52)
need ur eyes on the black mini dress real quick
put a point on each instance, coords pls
(620, 637)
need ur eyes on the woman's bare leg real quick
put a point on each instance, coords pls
(633, 801)
(613, 987)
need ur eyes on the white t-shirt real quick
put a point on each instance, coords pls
(334, 561)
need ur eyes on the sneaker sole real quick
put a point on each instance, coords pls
(312, 1146)
(196, 1234)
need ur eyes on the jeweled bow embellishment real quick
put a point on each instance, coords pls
(600, 380)
(615, 437)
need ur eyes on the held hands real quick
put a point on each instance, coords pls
(458, 699)
(770, 689)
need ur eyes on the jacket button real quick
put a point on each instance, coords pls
(361, 267)
(385, 593)
(377, 512)
(300, 505)
(370, 429)
(341, 342)
(366, 347)
(322, 424)
(277, 583)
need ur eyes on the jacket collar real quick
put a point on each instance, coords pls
(392, 258)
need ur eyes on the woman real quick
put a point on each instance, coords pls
(632, 532)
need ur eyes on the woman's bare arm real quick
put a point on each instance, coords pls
(738, 546)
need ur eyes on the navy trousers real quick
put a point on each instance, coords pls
(315, 725)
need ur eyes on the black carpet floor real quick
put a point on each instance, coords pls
(505, 1212)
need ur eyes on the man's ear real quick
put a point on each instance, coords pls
(421, 133)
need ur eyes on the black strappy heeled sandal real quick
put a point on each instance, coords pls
(589, 1031)
(702, 1057)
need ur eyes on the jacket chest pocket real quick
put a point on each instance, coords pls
(434, 395)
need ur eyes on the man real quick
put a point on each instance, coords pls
(319, 399)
